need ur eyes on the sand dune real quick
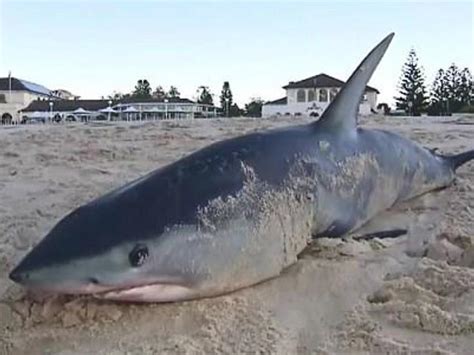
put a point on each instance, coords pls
(414, 294)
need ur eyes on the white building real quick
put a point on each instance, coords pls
(156, 109)
(131, 109)
(311, 96)
(15, 94)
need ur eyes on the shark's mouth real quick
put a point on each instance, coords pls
(158, 292)
(163, 290)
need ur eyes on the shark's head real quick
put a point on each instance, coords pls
(116, 252)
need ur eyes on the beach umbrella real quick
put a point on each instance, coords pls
(131, 109)
(81, 111)
(84, 114)
(108, 110)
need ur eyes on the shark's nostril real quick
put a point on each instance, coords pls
(93, 280)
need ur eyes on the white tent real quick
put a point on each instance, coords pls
(131, 113)
(83, 114)
(131, 109)
(108, 110)
(81, 111)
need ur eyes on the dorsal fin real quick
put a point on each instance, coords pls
(341, 114)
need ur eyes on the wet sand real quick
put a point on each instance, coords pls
(414, 294)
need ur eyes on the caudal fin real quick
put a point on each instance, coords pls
(459, 159)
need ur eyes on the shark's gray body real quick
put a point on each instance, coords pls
(236, 212)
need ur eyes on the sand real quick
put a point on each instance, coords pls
(414, 294)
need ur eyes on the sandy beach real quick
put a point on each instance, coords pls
(413, 294)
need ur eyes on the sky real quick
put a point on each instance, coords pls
(93, 48)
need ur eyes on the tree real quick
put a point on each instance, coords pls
(452, 90)
(142, 89)
(173, 93)
(235, 111)
(466, 91)
(452, 80)
(254, 108)
(439, 95)
(204, 96)
(412, 89)
(226, 99)
(159, 93)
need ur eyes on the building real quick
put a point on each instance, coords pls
(22, 101)
(15, 94)
(312, 95)
(171, 108)
(64, 94)
(131, 109)
(67, 110)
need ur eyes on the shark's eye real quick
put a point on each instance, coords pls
(138, 255)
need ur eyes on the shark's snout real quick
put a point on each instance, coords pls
(19, 276)
(52, 281)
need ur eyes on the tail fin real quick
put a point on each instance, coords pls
(459, 159)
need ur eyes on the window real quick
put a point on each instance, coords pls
(363, 98)
(311, 95)
(3, 99)
(332, 94)
(323, 95)
(301, 95)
